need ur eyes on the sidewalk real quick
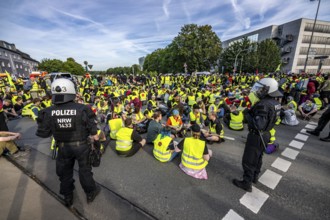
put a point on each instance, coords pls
(23, 198)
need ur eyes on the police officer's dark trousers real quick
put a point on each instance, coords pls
(252, 157)
(68, 152)
(323, 121)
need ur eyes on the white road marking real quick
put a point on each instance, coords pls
(270, 179)
(296, 144)
(254, 200)
(301, 137)
(232, 215)
(229, 138)
(312, 123)
(310, 126)
(303, 131)
(281, 164)
(290, 153)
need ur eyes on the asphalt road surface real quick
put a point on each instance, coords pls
(294, 183)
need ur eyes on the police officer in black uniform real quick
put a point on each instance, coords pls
(261, 119)
(71, 124)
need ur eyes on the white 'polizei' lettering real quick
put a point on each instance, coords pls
(64, 112)
(64, 120)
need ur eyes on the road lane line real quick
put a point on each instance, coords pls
(303, 131)
(310, 126)
(254, 200)
(290, 153)
(270, 179)
(232, 215)
(312, 123)
(281, 164)
(296, 144)
(229, 138)
(301, 137)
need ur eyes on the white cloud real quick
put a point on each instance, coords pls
(110, 33)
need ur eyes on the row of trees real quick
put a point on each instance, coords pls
(55, 65)
(196, 48)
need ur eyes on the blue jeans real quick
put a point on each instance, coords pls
(174, 154)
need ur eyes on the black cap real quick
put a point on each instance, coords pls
(195, 128)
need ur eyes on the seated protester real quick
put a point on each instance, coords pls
(154, 127)
(35, 108)
(7, 143)
(9, 110)
(46, 102)
(307, 109)
(148, 113)
(19, 106)
(165, 149)
(234, 120)
(116, 124)
(117, 107)
(288, 116)
(128, 140)
(139, 120)
(195, 116)
(153, 102)
(292, 103)
(215, 132)
(175, 123)
(195, 154)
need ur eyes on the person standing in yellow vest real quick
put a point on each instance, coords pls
(195, 154)
(128, 140)
(164, 147)
(215, 132)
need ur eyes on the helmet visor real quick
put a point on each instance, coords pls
(256, 87)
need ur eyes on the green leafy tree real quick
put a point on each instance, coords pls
(197, 46)
(268, 55)
(50, 65)
(72, 67)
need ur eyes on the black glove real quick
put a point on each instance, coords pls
(95, 154)
(97, 145)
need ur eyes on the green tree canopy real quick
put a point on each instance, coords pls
(197, 46)
(55, 65)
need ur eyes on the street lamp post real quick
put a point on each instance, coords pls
(239, 52)
(310, 42)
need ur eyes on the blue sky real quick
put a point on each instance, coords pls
(110, 33)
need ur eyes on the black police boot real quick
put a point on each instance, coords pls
(326, 139)
(313, 132)
(243, 185)
(68, 200)
(255, 179)
(91, 196)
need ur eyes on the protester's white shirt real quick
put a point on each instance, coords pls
(290, 118)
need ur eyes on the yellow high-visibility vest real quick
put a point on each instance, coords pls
(161, 151)
(236, 121)
(192, 155)
(124, 141)
(115, 125)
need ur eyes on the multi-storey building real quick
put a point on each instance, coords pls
(293, 38)
(15, 61)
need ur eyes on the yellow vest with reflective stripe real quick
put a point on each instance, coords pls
(35, 86)
(192, 155)
(150, 113)
(161, 151)
(26, 111)
(318, 103)
(175, 123)
(212, 108)
(118, 109)
(195, 118)
(294, 104)
(124, 141)
(115, 125)
(143, 96)
(191, 100)
(214, 130)
(236, 121)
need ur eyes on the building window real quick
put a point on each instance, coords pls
(0, 53)
(8, 64)
(9, 47)
(6, 54)
(25, 69)
(3, 64)
(16, 66)
(21, 66)
(14, 56)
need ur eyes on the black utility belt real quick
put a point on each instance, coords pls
(72, 143)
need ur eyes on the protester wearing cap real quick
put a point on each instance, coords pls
(175, 123)
(195, 154)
